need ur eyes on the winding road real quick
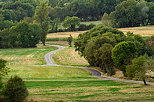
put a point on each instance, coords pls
(50, 62)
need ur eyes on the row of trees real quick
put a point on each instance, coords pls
(109, 48)
(26, 33)
(131, 13)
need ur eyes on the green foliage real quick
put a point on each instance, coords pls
(104, 54)
(96, 46)
(28, 34)
(5, 23)
(149, 45)
(151, 13)
(83, 27)
(42, 18)
(123, 53)
(71, 23)
(99, 30)
(137, 69)
(3, 71)
(3, 68)
(69, 40)
(54, 25)
(15, 90)
(21, 35)
(107, 20)
(131, 13)
(16, 11)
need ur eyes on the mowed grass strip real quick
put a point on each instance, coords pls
(49, 73)
(25, 56)
(69, 56)
(90, 90)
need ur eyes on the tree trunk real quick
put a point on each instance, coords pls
(43, 42)
(144, 82)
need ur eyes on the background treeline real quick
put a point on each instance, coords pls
(51, 15)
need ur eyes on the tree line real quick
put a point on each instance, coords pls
(47, 15)
(111, 49)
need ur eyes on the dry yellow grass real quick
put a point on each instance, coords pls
(144, 31)
(64, 34)
(69, 56)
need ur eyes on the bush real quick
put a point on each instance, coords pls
(83, 27)
(15, 90)
(137, 70)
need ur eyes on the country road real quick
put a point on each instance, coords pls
(50, 62)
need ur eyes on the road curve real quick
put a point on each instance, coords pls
(50, 62)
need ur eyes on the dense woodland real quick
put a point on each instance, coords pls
(16, 16)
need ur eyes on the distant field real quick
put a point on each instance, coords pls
(69, 56)
(64, 34)
(92, 22)
(144, 31)
(25, 56)
(89, 91)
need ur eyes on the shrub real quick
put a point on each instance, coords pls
(15, 90)
(83, 27)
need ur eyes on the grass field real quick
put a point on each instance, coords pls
(92, 22)
(23, 62)
(25, 56)
(69, 84)
(49, 73)
(89, 91)
(69, 56)
(64, 34)
(143, 31)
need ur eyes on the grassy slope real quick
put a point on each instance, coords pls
(21, 62)
(25, 56)
(68, 56)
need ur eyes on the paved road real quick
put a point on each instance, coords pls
(50, 62)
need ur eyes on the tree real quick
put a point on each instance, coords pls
(104, 53)
(28, 35)
(42, 18)
(150, 46)
(151, 13)
(54, 25)
(70, 39)
(5, 23)
(107, 20)
(123, 53)
(15, 90)
(137, 69)
(131, 13)
(71, 23)
(3, 70)
(82, 40)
